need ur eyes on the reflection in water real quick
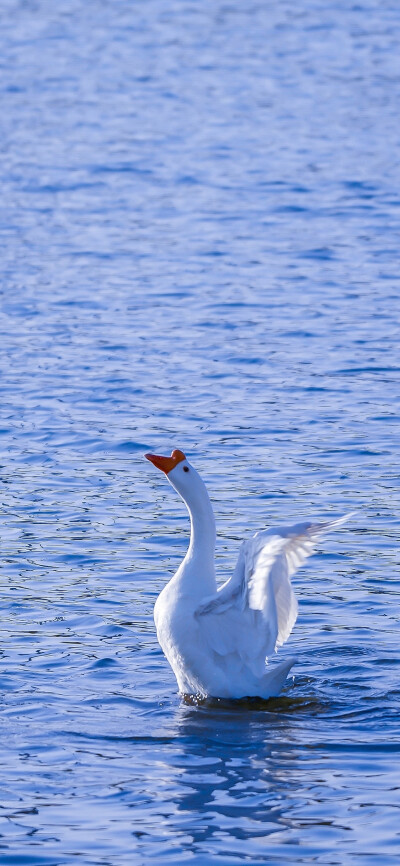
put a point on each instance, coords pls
(238, 766)
(234, 778)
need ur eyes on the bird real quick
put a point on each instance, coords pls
(218, 640)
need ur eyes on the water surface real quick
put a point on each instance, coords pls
(199, 249)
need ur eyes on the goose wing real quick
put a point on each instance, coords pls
(253, 613)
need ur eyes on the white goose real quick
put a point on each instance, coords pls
(217, 640)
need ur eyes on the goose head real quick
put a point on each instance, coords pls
(183, 478)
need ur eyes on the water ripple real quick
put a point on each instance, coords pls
(199, 249)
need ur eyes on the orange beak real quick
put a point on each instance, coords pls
(166, 463)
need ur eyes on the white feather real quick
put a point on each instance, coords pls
(257, 603)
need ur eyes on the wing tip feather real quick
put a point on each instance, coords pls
(336, 523)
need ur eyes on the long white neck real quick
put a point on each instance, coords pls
(198, 567)
(202, 532)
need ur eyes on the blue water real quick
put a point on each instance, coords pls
(199, 247)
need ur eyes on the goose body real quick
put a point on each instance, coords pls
(217, 640)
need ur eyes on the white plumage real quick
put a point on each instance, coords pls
(218, 641)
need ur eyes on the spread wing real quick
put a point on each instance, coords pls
(253, 613)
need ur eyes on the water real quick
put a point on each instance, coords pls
(199, 249)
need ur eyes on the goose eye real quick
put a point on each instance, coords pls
(186, 469)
